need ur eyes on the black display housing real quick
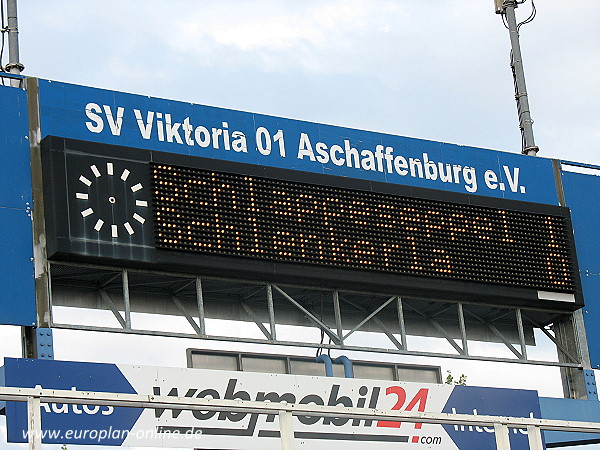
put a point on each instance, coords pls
(221, 218)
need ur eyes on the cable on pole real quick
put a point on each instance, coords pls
(3, 30)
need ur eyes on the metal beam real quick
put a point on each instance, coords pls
(34, 423)
(257, 321)
(271, 309)
(441, 310)
(264, 283)
(185, 285)
(441, 329)
(107, 279)
(497, 333)
(534, 437)
(521, 333)
(369, 317)
(389, 351)
(502, 439)
(380, 324)
(559, 346)
(41, 268)
(525, 121)
(187, 315)
(309, 315)
(338, 316)
(401, 324)
(286, 430)
(106, 297)
(463, 328)
(210, 404)
(200, 301)
(125, 276)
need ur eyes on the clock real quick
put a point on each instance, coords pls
(112, 200)
(98, 204)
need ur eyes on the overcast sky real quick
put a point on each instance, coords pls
(432, 69)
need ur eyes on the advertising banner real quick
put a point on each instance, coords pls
(105, 425)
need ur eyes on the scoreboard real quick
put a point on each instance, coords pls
(142, 208)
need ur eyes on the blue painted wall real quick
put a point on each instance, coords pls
(582, 194)
(17, 293)
(568, 409)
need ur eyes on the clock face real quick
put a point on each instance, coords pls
(109, 201)
(112, 200)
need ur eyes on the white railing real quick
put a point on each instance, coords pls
(35, 396)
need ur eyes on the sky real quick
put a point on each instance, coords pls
(435, 69)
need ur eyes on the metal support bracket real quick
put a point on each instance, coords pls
(590, 384)
(44, 343)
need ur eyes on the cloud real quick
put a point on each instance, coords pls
(315, 36)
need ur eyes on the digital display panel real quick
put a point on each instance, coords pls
(214, 212)
(132, 207)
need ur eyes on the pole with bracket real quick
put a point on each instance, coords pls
(14, 65)
(507, 9)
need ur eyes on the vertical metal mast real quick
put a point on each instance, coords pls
(507, 9)
(14, 66)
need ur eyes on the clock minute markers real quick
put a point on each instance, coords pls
(128, 228)
(85, 181)
(95, 170)
(114, 227)
(139, 218)
(98, 225)
(87, 212)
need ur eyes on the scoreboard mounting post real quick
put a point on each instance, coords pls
(42, 282)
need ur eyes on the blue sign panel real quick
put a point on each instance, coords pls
(493, 402)
(581, 195)
(17, 293)
(118, 118)
(58, 419)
